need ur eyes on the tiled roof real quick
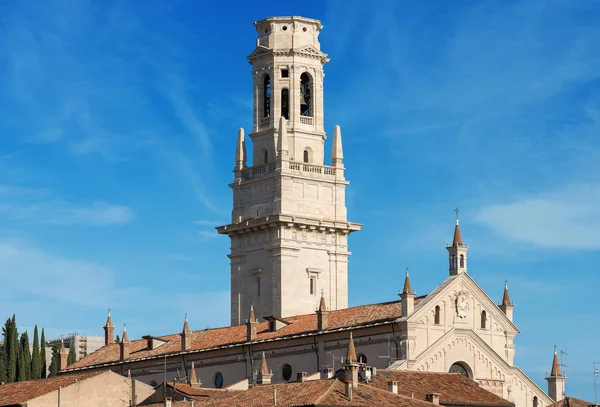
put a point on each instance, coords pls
(407, 288)
(506, 297)
(363, 315)
(21, 392)
(452, 387)
(198, 392)
(457, 241)
(329, 392)
(571, 402)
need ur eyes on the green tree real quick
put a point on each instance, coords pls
(12, 349)
(21, 372)
(26, 354)
(55, 358)
(71, 357)
(117, 339)
(2, 366)
(44, 371)
(36, 361)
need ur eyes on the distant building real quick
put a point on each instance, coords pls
(84, 345)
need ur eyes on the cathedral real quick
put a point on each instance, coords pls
(289, 264)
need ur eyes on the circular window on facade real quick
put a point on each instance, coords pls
(459, 368)
(284, 28)
(286, 372)
(219, 380)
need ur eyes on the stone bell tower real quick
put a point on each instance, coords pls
(289, 232)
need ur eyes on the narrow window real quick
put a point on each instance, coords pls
(483, 319)
(267, 96)
(454, 261)
(535, 401)
(436, 315)
(258, 285)
(266, 156)
(285, 103)
(462, 261)
(313, 286)
(285, 73)
(305, 95)
(306, 156)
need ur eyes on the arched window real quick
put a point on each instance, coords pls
(535, 401)
(305, 95)
(285, 103)
(453, 261)
(286, 372)
(361, 358)
(461, 368)
(267, 96)
(436, 315)
(462, 261)
(306, 156)
(483, 319)
(266, 156)
(218, 380)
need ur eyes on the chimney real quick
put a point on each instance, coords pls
(251, 326)
(168, 402)
(348, 390)
(351, 365)
(433, 398)
(62, 360)
(194, 382)
(302, 377)
(109, 331)
(264, 376)
(322, 315)
(186, 336)
(393, 386)
(327, 373)
(125, 344)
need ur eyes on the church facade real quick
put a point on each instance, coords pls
(289, 257)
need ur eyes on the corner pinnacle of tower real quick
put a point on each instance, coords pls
(264, 368)
(506, 296)
(337, 152)
(124, 338)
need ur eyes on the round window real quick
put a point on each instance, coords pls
(286, 372)
(304, 29)
(219, 380)
(284, 27)
(459, 368)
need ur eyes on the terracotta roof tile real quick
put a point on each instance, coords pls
(21, 392)
(452, 387)
(555, 366)
(457, 241)
(407, 288)
(234, 335)
(571, 402)
(506, 297)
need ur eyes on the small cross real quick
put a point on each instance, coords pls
(407, 271)
(456, 211)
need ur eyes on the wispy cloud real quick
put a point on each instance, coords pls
(567, 217)
(43, 206)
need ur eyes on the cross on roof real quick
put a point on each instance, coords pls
(456, 211)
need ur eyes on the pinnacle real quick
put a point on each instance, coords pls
(457, 241)
(322, 306)
(407, 288)
(264, 369)
(109, 323)
(186, 326)
(124, 338)
(251, 317)
(351, 354)
(506, 297)
(555, 372)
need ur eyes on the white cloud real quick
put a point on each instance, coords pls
(42, 206)
(567, 217)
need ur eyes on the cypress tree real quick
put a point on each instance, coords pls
(117, 339)
(54, 363)
(71, 357)
(2, 366)
(26, 355)
(44, 371)
(3, 354)
(21, 373)
(36, 361)
(12, 350)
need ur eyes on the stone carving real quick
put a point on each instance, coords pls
(462, 304)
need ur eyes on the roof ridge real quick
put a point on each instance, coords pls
(326, 392)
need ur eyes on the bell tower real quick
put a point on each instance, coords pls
(289, 231)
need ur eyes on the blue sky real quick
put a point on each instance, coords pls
(118, 125)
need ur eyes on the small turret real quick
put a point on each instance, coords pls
(194, 382)
(63, 355)
(457, 252)
(264, 375)
(556, 380)
(507, 306)
(351, 365)
(125, 344)
(408, 297)
(251, 326)
(322, 314)
(186, 336)
(109, 330)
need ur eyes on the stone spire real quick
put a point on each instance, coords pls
(506, 297)
(193, 378)
(408, 297)
(556, 380)
(350, 365)
(264, 375)
(109, 331)
(457, 252)
(322, 314)
(186, 336)
(63, 355)
(240, 151)
(251, 326)
(337, 153)
(125, 344)
(507, 306)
